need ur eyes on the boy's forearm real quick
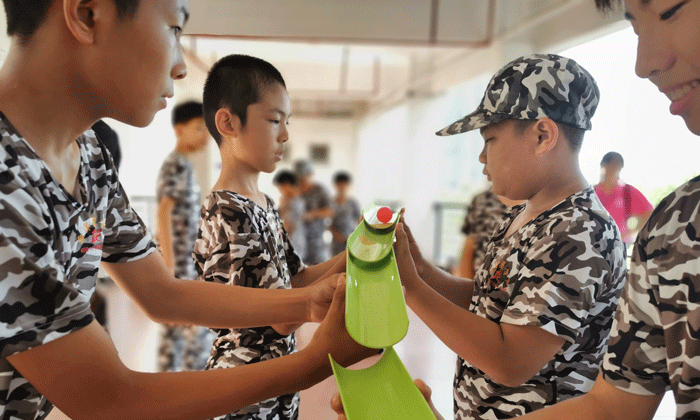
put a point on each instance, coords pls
(455, 289)
(191, 302)
(504, 352)
(169, 300)
(312, 274)
(165, 240)
(204, 395)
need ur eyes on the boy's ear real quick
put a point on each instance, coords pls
(547, 133)
(80, 18)
(227, 124)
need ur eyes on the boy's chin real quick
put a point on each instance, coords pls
(693, 125)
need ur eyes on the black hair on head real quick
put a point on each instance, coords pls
(342, 176)
(186, 112)
(612, 157)
(24, 17)
(235, 82)
(285, 177)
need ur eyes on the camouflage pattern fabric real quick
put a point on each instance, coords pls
(483, 216)
(182, 347)
(292, 210)
(345, 218)
(51, 244)
(533, 87)
(563, 272)
(241, 244)
(176, 180)
(317, 249)
(655, 344)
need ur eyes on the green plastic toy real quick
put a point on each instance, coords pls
(375, 308)
(382, 391)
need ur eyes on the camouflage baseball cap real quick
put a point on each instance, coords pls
(532, 87)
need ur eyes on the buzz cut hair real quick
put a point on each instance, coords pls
(234, 83)
(25, 17)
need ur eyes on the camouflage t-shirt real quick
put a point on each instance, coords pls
(176, 180)
(241, 244)
(563, 272)
(655, 340)
(345, 218)
(317, 249)
(483, 216)
(51, 245)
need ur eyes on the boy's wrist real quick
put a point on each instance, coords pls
(314, 359)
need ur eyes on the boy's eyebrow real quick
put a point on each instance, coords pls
(643, 4)
(280, 111)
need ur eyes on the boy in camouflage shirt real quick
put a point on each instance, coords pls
(531, 328)
(64, 213)
(655, 344)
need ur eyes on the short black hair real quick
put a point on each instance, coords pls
(285, 177)
(109, 139)
(25, 17)
(612, 157)
(342, 176)
(574, 135)
(187, 111)
(235, 82)
(607, 5)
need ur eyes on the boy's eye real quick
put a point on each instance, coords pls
(177, 30)
(275, 121)
(668, 14)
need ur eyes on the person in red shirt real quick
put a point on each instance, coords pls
(627, 205)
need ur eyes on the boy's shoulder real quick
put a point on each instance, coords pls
(675, 212)
(581, 214)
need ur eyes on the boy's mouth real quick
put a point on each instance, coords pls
(680, 91)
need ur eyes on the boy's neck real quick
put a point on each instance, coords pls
(36, 96)
(241, 179)
(181, 149)
(560, 186)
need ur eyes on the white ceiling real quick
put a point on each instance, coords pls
(340, 57)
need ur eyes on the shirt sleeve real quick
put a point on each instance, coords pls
(636, 358)
(126, 237)
(36, 305)
(556, 285)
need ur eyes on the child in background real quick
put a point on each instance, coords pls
(626, 204)
(291, 210)
(346, 212)
(182, 347)
(242, 241)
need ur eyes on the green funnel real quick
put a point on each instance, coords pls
(375, 308)
(383, 391)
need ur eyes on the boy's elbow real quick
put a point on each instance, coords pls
(509, 375)
(160, 306)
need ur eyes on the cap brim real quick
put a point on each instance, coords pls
(476, 119)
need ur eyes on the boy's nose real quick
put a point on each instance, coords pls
(654, 54)
(482, 155)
